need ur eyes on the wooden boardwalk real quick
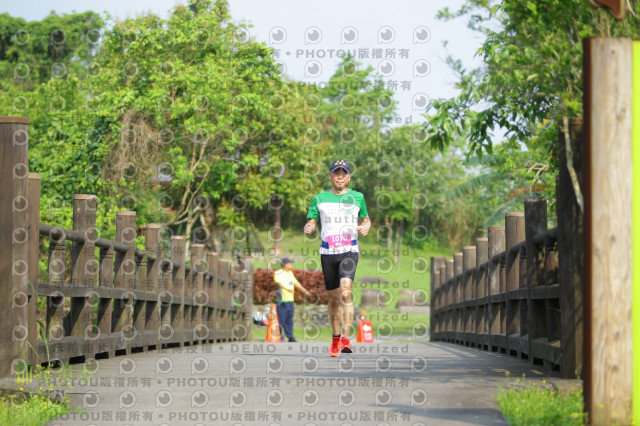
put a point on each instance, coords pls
(295, 384)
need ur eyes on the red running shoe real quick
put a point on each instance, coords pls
(336, 346)
(346, 345)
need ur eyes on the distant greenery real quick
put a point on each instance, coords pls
(532, 404)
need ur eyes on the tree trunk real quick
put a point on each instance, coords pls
(259, 246)
(389, 223)
(214, 243)
(396, 254)
(277, 206)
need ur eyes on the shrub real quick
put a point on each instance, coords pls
(264, 287)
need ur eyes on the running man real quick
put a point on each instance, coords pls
(342, 214)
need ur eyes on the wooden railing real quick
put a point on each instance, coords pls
(515, 292)
(123, 300)
(503, 294)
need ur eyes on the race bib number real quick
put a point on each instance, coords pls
(339, 240)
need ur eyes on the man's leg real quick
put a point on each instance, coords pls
(334, 310)
(290, 316)
(287, 319)
(280, 309)
(330, 267)
(346, 298)
(347, 274)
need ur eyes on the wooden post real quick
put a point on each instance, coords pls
(198, 299)
(83, 265)
(442, 300)
(482, 256)
(124, 277)
(449, 267)
(514, 233)
(178, 254)
(212, 258)
(188, 308)
(33, 256)
(153, 244)
(247, 287)
(608, 366)
(457, 270)
(223, 269)
(105, 305)
(535, 209)
(468, 263)
(56, 272)
(496, 246)
(570, 256)
(141, 339)
(14, 172)
(432, 288)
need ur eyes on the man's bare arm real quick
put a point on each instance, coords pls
(310, 226)
(364, 226)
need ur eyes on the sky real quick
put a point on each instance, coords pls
(400, 39)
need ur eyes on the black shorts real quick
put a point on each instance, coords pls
(336, 266)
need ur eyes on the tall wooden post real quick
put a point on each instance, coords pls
(124, 278)
(212, 321)
(496, 246)
(179, 255)
(514, 233)
(468, 263)
(535, 209)
(608, 230)
(198, 325)
(83, 265)
(457, 271)
(33, 257)
(14, 142)
(153, 244)
(570, 256)
(106, 305)
(225, 298)
(482, 255)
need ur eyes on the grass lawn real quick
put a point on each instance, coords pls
(533, 404)
(387, 326)
(34, 411)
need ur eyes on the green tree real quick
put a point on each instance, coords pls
(530, 82)
(33, 52)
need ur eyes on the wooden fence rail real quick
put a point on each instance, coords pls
(514, 292)
(111, 298)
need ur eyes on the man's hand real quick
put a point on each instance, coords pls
(310, 226)
(364, 227)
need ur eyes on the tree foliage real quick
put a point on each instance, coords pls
(529, 84)
(188, 123)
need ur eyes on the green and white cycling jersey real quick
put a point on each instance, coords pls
(338, 216)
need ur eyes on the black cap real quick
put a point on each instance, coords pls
(340, 164)
(286, 260)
